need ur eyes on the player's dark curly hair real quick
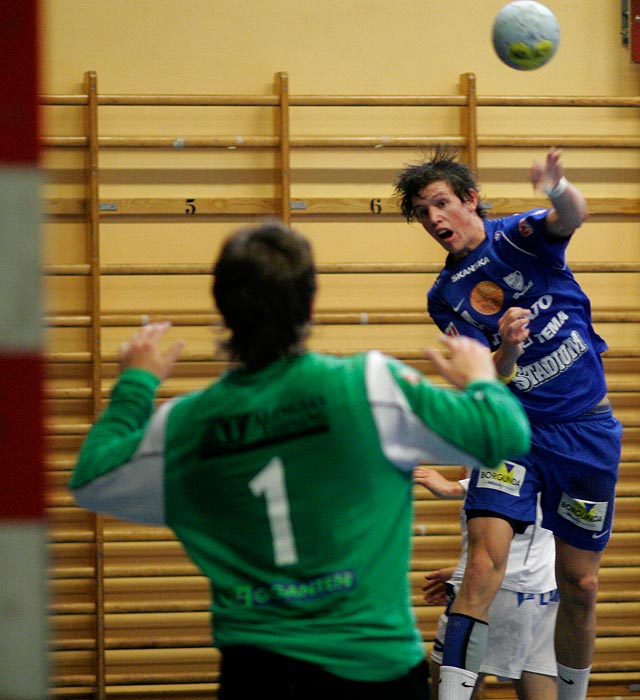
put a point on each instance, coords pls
(264, 285)
(443, 164)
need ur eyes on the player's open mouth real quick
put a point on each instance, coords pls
(444, 234)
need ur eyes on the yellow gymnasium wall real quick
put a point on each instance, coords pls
(330, 47)
(349, 46)
(128, 614)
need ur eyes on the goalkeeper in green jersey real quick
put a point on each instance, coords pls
(289, 479)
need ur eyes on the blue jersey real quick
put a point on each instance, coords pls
(560, 373)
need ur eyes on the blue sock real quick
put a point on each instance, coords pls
(464, 642)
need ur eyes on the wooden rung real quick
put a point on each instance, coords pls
(202, 603)
(71, 608)
(77, 685)
(556, 101)
(544, 142)
(406, 354)
(620, 367)
(169, 100)
(156, 569)
(605, 675)
(76, 644)
(323, 269)
(372, 207)
(77, 572)
(162, 642)
(182, 691)
(168, 677)
(66, 429)
(320, 318)
(329, 142)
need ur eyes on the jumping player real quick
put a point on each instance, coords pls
(506, 283)
(288, 480)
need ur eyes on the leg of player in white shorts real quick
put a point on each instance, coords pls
(519, 646)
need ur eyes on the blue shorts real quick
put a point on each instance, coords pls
(574, 465)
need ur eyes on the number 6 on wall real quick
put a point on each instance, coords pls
(270, 482)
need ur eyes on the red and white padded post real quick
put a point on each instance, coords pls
(23, 559)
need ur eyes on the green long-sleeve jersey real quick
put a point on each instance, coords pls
(291, 489)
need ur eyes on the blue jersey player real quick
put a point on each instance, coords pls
(506, 282)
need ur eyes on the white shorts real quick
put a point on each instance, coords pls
(521, 629)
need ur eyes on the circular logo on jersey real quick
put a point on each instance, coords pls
(525, 228)
(487, 298)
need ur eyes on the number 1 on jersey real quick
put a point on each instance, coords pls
(270, 482)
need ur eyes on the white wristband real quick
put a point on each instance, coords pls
(553, 192)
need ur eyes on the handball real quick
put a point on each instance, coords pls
(526, 34)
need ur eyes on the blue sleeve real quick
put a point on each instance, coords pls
(528, 233)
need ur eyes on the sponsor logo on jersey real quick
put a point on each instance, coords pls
(486, 298)
(531, 376)
(539, 598)
(554, 325)
(287, 591)
(506, 477)
(515, 280)
(451, 329)
(539, 305)
(525, 228)
(589, 515)
(472, 268)
(469, 319)
(517, 295)
(249, 431)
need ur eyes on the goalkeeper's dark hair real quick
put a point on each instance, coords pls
(264, 286)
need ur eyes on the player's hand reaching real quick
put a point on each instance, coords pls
(468, 361)
(142, 351)
(545, 176)
(435, 589)
(569, 210)
(435, 482)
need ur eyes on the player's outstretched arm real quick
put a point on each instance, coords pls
(484, 418)
(569, 205)
(116, 436)
(439, 485)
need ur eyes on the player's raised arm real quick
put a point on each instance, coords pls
(569, 205)
(439, 485)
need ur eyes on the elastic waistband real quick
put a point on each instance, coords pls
(603, 407)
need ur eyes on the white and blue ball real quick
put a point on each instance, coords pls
(526, 34)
